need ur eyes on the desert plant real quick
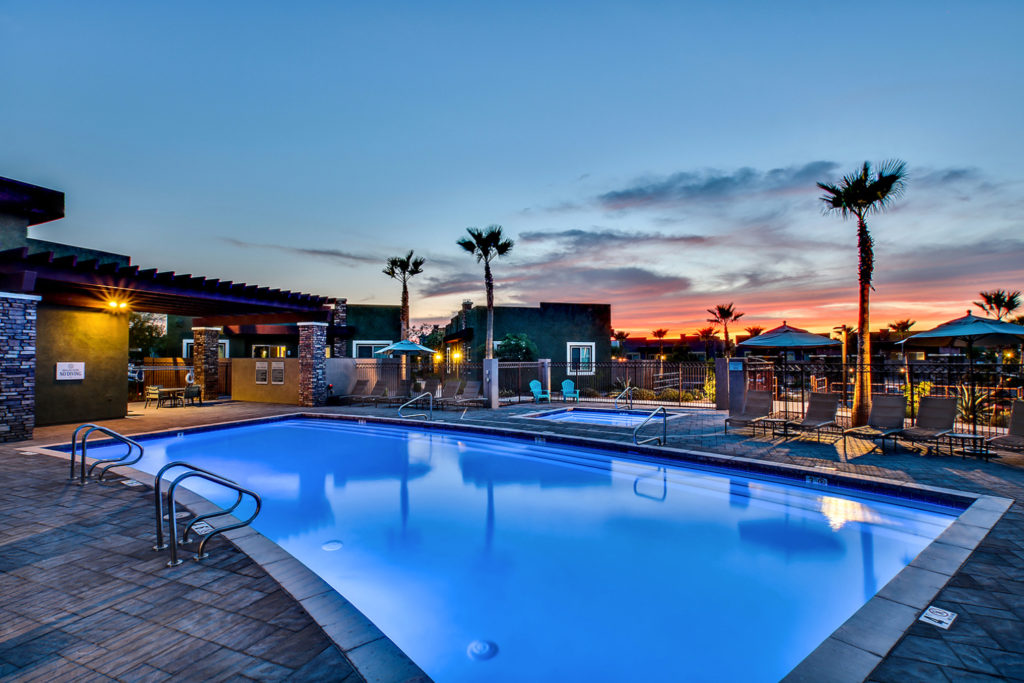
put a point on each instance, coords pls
(920, 389)
(404, 268)
(708, 390)
(672, 395)
(999, 302)
(973, 406)
(688, 396)
(643, 395)
(487, 245)
(589, 392)
(723, 314)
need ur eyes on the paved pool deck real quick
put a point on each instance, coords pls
(85, 598)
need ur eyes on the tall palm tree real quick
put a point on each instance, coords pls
(999, 302)
(860, 194)
(901, 328)
(621, 338)
(707, 335)
(403, 268)
(723, 314)
(754, 330)
(487, 245)
(659, 334)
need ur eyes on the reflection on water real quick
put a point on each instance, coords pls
(842, 510)
(791, 536)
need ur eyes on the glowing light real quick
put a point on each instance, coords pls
(122, 305)
(437, 358)
(112, 304)
(456, 356)
(839, 511)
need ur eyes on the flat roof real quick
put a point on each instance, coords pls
(37, 204)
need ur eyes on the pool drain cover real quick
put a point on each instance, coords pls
(331, 546)
(481, 650)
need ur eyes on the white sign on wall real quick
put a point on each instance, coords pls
(277, 372)
(70, 371)
(261, 372)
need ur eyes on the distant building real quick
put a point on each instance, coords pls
(563, 332)
(683, 347)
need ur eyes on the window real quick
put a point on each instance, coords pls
(580, 356)
(366, 348)
(186, 348)
(269, 351)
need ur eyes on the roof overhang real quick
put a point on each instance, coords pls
(37, 204)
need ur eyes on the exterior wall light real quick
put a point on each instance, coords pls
(456, 356)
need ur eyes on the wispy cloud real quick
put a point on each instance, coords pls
(604, 238)
(330, 254)
(714, 185)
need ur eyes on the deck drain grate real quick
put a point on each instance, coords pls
(202, 528)
(131, 482)
(178, 515)
(936, 616)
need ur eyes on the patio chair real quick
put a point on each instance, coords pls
(821, 413)
(401, 396)
(192, 392)
(358, 391)
(153, 394)
(569, 390)
(430, 386)
(934, 419)
(449, 392)
(756, 407)
(378, 393)
(538, 393)
(888, 412)
(1014, 436)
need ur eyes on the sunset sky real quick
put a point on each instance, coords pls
(661, 157)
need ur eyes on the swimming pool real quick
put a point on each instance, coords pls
(597, 416)
(569, 563)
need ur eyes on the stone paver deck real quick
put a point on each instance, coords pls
(84, 597)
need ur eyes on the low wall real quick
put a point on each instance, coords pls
(341, 373)
(244, 378)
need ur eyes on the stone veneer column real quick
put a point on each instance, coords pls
(17, 366)
(205, 359)
(312, 364)
(339, 319)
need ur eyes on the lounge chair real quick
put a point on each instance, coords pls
(888, 412)
(378, 393)
(401, 395)
(449, 392)
(538, 392)
(192, 392)
(470, 395)
(821, 413)
(569, 390)
(758, 406)
(1014, 436)
(430, 386)
(934, 420)
(358, 391)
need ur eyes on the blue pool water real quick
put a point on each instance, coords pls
(596, 416)
(578, 564)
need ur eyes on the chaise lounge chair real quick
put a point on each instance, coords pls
(1014, 436)
(358, 391)
(821, 413)
(449, 392)
(756, 407)
(888, 413)
(934, 419)
(538, 392)
(569, 390)
(470, 395)
(378, 393)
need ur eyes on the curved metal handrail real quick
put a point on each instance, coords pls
(159, 501)
(627, 390)
(412, 400)
(172, 509)
(663, 439)
(114, 462)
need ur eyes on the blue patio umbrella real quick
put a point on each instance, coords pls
(787, 337)
(405, 348)
(968, 332)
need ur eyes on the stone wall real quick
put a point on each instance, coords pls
(205, 361)
(17, 366)
(312, 364)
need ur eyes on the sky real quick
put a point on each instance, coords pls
(661, 157)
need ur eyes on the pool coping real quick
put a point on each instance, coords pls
(850, 653)
(539, 415)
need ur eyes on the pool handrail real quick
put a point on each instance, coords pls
(663, 439)
(628, 390)
(205, 538)
(114, 462)
(412, 400)
(159, 502)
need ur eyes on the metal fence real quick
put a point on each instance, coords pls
(162, 372)
(402, 381)
(655, 383)
(984, 392)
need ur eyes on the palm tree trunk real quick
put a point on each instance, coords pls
(862, 381)
(728, 350)
(405, 310)
(489, 286)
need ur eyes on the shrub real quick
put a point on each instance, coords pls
(709, 385)
(643, 395)
(689, 396)
(672, 395)
(589, 392)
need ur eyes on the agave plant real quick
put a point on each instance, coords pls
(973, 406)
